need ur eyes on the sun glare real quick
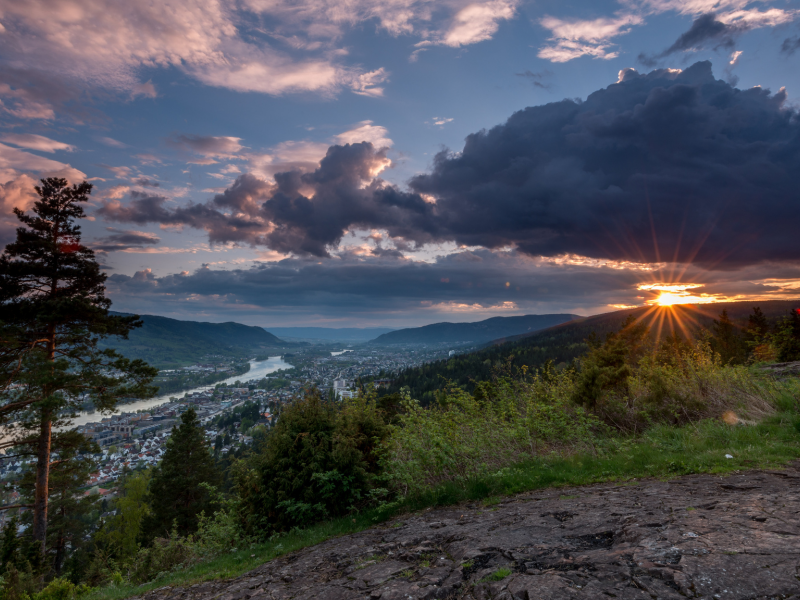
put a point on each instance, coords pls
(670, 294)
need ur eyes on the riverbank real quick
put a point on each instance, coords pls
(258, 370)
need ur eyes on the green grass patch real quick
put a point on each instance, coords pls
(662, 452)
(498, 575)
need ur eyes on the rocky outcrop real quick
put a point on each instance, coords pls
(783, 370)
(698, 536)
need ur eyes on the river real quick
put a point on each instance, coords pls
(258, 370)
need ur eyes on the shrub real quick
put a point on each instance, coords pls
(463, 437)
(163, 556)
(686, 386)
(320, 461)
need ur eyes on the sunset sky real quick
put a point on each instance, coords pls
(404, 162)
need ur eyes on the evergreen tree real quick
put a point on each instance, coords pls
(726, 340)
(53, 312)
(69, 510)
(787, 337)
(177, 492)
(609, 366)
(9, 546)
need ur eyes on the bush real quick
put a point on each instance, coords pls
(320, 461)
(463, 437)
(163, 556)
(686, 386)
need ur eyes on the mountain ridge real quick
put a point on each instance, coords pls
(477, 332)
(163, 341)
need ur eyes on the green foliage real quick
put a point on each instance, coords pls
(498, 575)
(726, 341)
(787, 337)
(53, 313)
(177, 491)
(319, 462)
(121, 532)
(464, 436)
(162, 556)
(62, 589)
(607, 367)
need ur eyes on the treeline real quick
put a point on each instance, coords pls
(749, 338)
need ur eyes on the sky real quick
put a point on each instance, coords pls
(396, 163)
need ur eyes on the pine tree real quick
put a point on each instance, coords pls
(787, 337)
(726, 341)
(177, 492)
(69, 509)
(53, 312)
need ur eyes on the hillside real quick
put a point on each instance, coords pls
(566, 342)
(477, 550)
(342, 334)
(165, 342)
(480, 332)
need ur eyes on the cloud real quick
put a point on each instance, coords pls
(366, 131)
(305, 155)
(35, 142)
(716, 21)
(670, 165)
(13, 160)
(366, 84)
(571, 39)
(16, 193)
(384, 288)
(790, 45)
(122, 240)
(206, 146)
(711, 30)
(477, 22)
(107, 141)
(537, 79)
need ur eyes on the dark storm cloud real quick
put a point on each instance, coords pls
(304, 213)
(662, 166)
(145, 182)
(124, 240)
(791, 45)
(465, 286)
(360, 286)
(706, 30)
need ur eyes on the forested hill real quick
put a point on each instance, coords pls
(480, 332)
(167, 342)
(566, 342)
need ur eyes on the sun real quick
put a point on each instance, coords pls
(668, 299)
(670, 294)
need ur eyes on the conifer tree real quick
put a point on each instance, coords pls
(69, 509)
(53, 311)
(726, 341)
(177, 491)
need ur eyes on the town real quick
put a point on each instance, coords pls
(137, 439)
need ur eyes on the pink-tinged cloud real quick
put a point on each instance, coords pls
(35, 142)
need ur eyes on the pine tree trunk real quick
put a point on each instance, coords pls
(42, 481)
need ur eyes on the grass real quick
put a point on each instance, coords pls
(662, 452)
(498, 575)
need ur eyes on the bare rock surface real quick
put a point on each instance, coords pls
(698, 536)
(783, 370)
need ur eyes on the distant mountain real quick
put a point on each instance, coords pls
(169, 342)
(565, 342)
(480, 332)
(345, 334)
